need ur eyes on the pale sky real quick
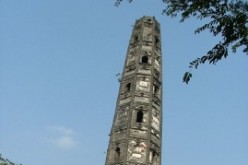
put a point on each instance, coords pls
(58, 89)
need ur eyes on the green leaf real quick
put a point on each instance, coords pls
(187, 76)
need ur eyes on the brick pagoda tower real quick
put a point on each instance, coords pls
(136, 133)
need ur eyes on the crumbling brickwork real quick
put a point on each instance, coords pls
(135, 137)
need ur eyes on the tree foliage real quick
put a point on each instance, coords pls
(227, 19)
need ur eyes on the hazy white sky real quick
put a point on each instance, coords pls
(58, 61)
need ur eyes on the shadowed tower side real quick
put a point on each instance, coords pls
(135, 137)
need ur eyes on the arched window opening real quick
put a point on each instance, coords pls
(136, 38)
(154, 158)
(155, 89)
(117, 153)
(128, 87)
(144, 60)
(139, 118)
(156, 40)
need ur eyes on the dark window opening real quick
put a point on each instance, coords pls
(139, 118)
(136, 38)
(156, 40)
(144, 60)
(117, 153)
(155, 89)
(128, 87)
(154, 158)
